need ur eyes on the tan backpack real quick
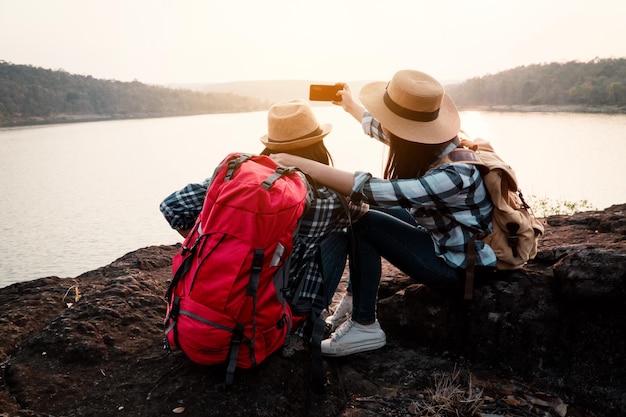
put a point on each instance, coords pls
(516, 230)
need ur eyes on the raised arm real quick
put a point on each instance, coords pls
(349, 104)
(339, 180)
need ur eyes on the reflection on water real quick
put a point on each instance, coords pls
(75, 197)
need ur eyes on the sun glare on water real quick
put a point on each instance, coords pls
(474, 124)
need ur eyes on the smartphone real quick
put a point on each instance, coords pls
(321, 92)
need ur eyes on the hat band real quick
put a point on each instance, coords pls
(314, 133)
(418, 116)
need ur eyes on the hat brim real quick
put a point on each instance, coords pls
(440, 130)
(298, 143)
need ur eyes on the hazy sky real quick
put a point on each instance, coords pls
(212, 41)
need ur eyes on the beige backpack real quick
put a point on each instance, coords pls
(516, 230)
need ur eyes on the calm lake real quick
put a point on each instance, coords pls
(75, 197)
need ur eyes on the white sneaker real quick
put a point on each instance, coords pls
(352, 337)
(341, 313)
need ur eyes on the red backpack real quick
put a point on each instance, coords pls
(225, 303)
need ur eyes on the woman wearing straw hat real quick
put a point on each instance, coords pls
(420, 123)
(293, 129)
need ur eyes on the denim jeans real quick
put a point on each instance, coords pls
(395, 237)
(333, 253)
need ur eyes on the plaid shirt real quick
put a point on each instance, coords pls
(447, 192)
(324, 214)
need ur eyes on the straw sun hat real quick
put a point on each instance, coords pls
(292, 125)
(413, 106)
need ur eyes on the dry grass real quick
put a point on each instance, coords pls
(447, 398)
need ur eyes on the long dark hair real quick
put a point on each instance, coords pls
(316, 152)
(411, 159)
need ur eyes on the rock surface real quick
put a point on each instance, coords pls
(547, 342)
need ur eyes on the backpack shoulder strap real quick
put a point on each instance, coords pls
(464, 155)
(234, 161)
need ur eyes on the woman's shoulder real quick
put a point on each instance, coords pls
(458, 168)
(453, 176)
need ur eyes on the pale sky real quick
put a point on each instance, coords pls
(214, 41)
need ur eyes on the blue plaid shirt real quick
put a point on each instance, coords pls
(447, 192)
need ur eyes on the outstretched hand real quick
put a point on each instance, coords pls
(348, 102)
(345, 93)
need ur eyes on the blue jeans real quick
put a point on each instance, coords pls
(398, 213)
(333, 253)
(393, 235)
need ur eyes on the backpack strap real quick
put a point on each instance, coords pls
(235, 344)
(279, 172)
(257, 265)
(186, 251)
(317, 368)
(470, 258)
(468, 292)
(462, 156)
(233, 164)
(238, 333)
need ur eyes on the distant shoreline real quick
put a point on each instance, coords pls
(63, 119)
(545, 108)
(66, 118)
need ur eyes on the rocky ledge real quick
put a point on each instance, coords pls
(550, 341)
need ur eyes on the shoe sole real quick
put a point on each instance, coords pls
(365, 347)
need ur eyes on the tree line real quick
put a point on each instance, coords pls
(36, 95)
(29, 94)
(600, 83)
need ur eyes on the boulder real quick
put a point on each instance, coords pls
(547, 340)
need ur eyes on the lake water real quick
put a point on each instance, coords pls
(75, 197)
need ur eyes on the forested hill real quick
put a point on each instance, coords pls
(31, 95)
(598, 85)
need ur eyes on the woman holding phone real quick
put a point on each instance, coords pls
(420, 123)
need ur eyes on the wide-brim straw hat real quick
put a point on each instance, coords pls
(292, 125)
(413, 106)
